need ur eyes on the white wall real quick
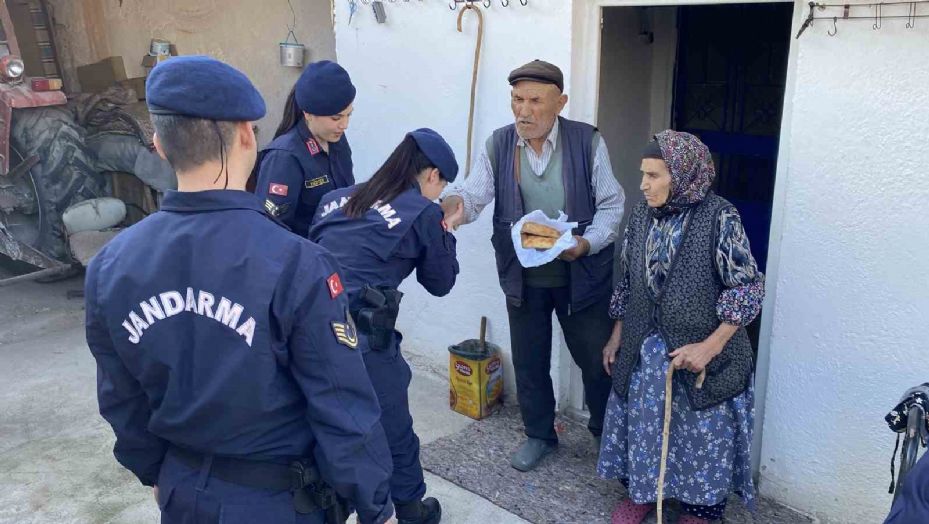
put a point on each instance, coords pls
(415, 71)
(848, 296)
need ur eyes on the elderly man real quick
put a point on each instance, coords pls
(547, 162)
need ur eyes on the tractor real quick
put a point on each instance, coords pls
(47, 168)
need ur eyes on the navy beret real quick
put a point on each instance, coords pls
(324, 89)
(202, 87)
(437, 150)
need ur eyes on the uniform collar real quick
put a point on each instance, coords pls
(305, 136)
(212, 200)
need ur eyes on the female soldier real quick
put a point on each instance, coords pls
(310, 155)
(380, 231)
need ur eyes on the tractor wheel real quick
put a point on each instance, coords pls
(63, 176)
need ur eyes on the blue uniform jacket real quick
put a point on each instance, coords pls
(294, 173)
(217, 330)
(912, 504)
(385, 245)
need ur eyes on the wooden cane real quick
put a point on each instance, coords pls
(665, 434)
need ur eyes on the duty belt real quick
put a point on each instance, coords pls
(301, 477)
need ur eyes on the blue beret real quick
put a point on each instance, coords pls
(324, 89)
(202, 87)
(437, 150)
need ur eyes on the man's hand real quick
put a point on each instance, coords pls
(453, 207)
(576, 252)
(695, 357)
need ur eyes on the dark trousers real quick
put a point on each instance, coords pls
(585, 331)
(390, 374)
(192, 496)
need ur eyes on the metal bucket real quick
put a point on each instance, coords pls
(291, 54)
(159, 47)
(475, 378)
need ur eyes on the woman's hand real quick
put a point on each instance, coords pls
(155, 492)
(609, 355)
(612, 346)
(695, 357)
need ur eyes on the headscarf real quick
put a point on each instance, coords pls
(692, 171)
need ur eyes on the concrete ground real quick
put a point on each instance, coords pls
(56, 462)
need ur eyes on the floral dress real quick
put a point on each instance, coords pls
(709, 450)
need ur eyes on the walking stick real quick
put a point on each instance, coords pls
(665, 433)
(477, 59)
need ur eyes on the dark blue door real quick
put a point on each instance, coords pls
(729, 91)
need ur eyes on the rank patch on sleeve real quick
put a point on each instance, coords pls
(335, 285)
(278, 189)
(272, 208)
(345, 333)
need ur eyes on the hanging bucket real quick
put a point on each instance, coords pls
(159, 47)
(291, 53)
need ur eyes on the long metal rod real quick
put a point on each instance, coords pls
(44, 273)
(870, 6)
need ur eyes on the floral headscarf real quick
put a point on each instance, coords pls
(692, 171)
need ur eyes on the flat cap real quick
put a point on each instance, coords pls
(437, 150)
(538, 71)
(202, 87)
(324, 89)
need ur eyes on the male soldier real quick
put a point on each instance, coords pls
(226, 356)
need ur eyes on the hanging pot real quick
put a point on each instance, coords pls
(159, 47)
(291, 53)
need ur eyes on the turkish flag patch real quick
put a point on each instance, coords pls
(312, 146)
(335, 285)
(278, 189)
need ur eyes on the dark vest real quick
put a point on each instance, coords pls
(322, 172)
(591, 276)
(685, 310)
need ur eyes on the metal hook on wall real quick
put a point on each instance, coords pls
(487, 4)
(453, 5)
(911, 16)
(877, 17)
(505, 3)
(524, 3)
(835, 29)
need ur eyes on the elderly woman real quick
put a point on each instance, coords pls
(688, 286)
